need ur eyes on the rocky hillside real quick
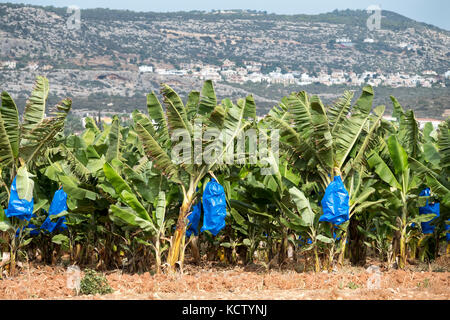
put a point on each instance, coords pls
(104, 54)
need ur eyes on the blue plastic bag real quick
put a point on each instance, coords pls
(33, 232)
(194, 220)
(303, 242)
(334, 236)
(58, 205)
(19, 208)
(427, 209)
(335, 203)
(214, 207)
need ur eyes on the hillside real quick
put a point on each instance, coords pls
(104, 55)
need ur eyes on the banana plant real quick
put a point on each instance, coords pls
(130, 179)
(434, 168)
(15, 226)
(378, 231)
(428, 155)
(27, 143)
(428, 151)
(153, 225)
(323, 139)
(403, 183)
(407, 129)
(30, 138)
(324, 142)
(258, 204)
(77, 166)
(184, 162)
(444, 146)
(360, 186)
(306, 221)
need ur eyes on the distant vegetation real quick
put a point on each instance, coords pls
(391, 20)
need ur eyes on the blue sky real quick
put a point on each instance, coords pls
(434, 12)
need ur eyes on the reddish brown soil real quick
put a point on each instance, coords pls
(207, 282)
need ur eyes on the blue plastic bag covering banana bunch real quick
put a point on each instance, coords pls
(302, 241)
(214, 207)
(427, 209)
(335, 203)
(34, 230)
(194, 219)
(58, 205)
(19, 208)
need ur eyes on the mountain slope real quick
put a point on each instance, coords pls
(122, 39)
(100, 61)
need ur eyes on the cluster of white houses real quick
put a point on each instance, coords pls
(229, 72)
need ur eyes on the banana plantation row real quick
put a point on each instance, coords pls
(119, 196)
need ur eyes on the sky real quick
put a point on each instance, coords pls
(435, 12)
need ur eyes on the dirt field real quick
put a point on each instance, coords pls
(241, 283)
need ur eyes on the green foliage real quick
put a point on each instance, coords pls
(94, 283)
(128, 199)
(352, 285)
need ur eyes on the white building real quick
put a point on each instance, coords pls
(305, 79)
(343, 40)
(208, 75)
(143, 69)
(9, 64)
(253, 66)
(241, 71)
(256, 77)
(33, 66)
(430, 73)
(285, 79)
(227, 65)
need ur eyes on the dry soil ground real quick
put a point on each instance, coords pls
(229, 283)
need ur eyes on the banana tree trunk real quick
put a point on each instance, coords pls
(194, 249)
(13, 253)
(176, 246)
(344, 247)
(413, 250)
(176, 250)
(158, 255)
(436, 246)
(344, 238)
(402, 260)
(283, 248)
(182, 251)
(12, 262)
(316, 260)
